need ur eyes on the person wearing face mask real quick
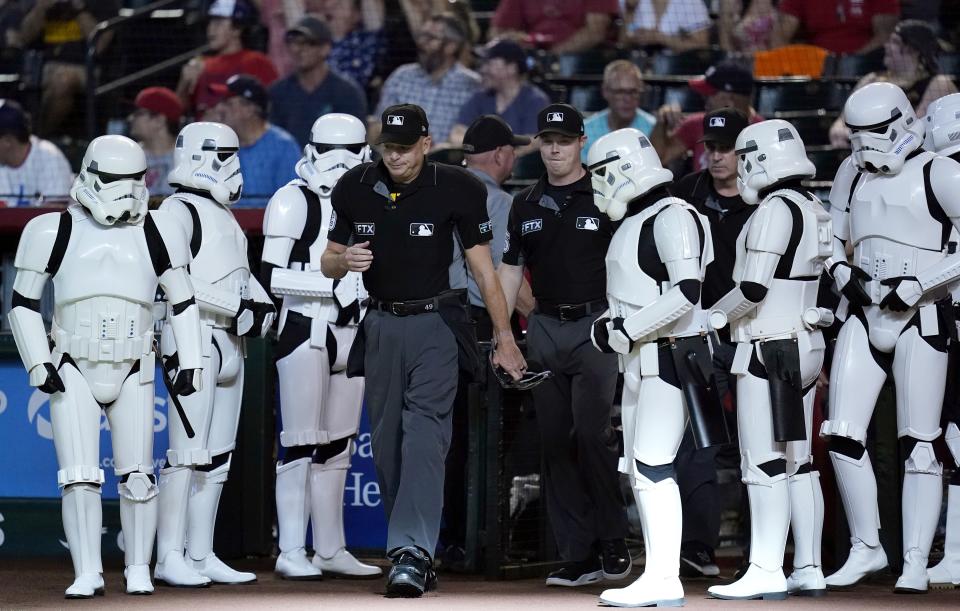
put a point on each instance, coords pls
(320, 407)
(233, 306)
(910, 59)
(713, 192)
(438, 82)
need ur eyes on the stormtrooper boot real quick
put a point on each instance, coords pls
(292, 497)
(922, 494)
(82, 523)
(769, 523)
(806, 521)
(138, 520)
(858, 489)
(659, 586)
(946, 574)
(326, 516)
(172, 568)
(201, 517)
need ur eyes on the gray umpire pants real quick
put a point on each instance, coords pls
(580, 448)
(411, 381)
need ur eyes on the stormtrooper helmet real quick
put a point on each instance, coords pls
(205, 158)
(338, 142)
(623, 166)
(883, 128)
(769, 152)
(110, 183)
(943, 124)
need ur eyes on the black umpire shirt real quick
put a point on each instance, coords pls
(409, 227)
(563, 243)
(727, 216)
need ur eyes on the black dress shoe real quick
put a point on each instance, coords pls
(615, 558)
(412, 573)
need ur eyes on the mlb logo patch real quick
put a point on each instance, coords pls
(421, 230)
(333, 220)
(363, 228)
(486, 227)
(394, 120)
(718, 121)
(588, 223)
(554, 117)
(531, 226)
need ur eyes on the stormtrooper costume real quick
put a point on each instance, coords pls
(900, 212)
(106, 255)
(232, 305)
(776, 323)
(655, 267)
(319, 405)
(942, 125)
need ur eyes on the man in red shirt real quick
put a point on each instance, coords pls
(726, 85)
(561, 26)
(839, 26)
(228, 19)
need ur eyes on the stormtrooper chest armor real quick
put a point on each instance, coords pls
(222, 257)
(892, 226)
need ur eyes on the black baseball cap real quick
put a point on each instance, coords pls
(13, 118)
(245, 86)
(403, 124)
(560, 119)
(507, 50)
(722, 126)
(725, 76)
(487, 133)
(311, 28)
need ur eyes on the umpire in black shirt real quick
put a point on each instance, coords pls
(394, 221)
(713, 191)
(561, 236)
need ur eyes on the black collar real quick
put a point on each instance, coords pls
(201, 193)
(637, 204)
(583, 185)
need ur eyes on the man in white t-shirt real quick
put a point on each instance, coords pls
(32, 171)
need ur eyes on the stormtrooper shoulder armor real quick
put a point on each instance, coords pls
(676, 233)
(286, 213)
(945, 182)
(770, 227)
(38, 239)
(174, 238)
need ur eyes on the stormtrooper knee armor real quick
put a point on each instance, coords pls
(232, 305)
(102, 346)
(776, 323)
(654, 311)
(320, 406)
(895, 292)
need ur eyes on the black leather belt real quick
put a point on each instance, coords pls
(416, 306)
(566, 312)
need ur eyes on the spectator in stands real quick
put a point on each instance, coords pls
(507, 93)
(910, 58)
(155, 124)
(677, 25)
(839, 26)
(228, 20)
(268, 154)
(746, 26)
(438, 82)
(358, 36)
(726, 84)
(11, 15)
(622, 89)
(314, 88)
(32, 171)
(560, 27)
(61, 28)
